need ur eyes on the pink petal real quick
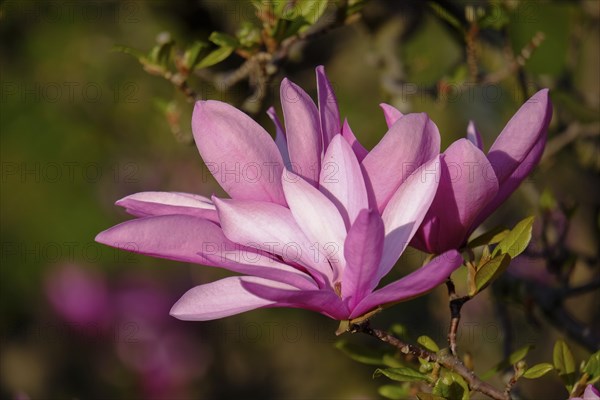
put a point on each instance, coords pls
(362, 250)
(474, 136)
(525, 129)
(406, 210)
(272, 228)
(145, 204)
(591, 393)
(467, 185)
(280, 140)
(323, 301)
(411, 141)
(238, 152)
(223, 298)
(318, 218)
(391, 114)
(413, 285)
(196, 240)
(342, 181)
(358, 148)
(303, 131)
(174, 237)
(328, 107)
(511, 183)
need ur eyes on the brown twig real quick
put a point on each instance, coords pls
(443, 358)
(456, 304)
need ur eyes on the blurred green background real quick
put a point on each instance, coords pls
(80, 128)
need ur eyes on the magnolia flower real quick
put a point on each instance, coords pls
(591, 393)
(473, 184)
(314, 221)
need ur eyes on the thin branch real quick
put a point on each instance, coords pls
(577, 290)
(456, 304)
(573, 132)
(445, 359)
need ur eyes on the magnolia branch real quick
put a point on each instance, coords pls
(444, 359)
(259, 68)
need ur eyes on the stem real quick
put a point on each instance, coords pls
(456, 304)
(445, 359)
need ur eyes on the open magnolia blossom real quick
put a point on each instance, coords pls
(314, 221)
(474, 184)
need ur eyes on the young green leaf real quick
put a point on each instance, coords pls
(537, 371)
(399, 330)
(311, 10)
(516, 241)
(215, 57)
(564, 362)
(223, 39)
(428, 343)
(592, 367)
(489, 271)
(451, 386)
(191, 57)
(129, 50)
(402, 374)
(161, 53)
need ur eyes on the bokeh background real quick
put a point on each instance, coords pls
(81, 128)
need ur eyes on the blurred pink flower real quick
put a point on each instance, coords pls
(473, 184)
(313, 219)
(78, 295)
(131, 318)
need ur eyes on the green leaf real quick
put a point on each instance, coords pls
(490, 237)
(519, 354)
(516, 240)
(564, 362)
(399, 331)
(428, 343)
(429, 396)
(512, 359)
(537, 371)
(394, 392)
(489, 271)
(402, 374)
(362, 354)
(215, 57)
(223, 39)
(311, 10)
(451, 386)
(248, 34)
(161, 53)
(592, 367)
(191, 57)
(129, 50)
